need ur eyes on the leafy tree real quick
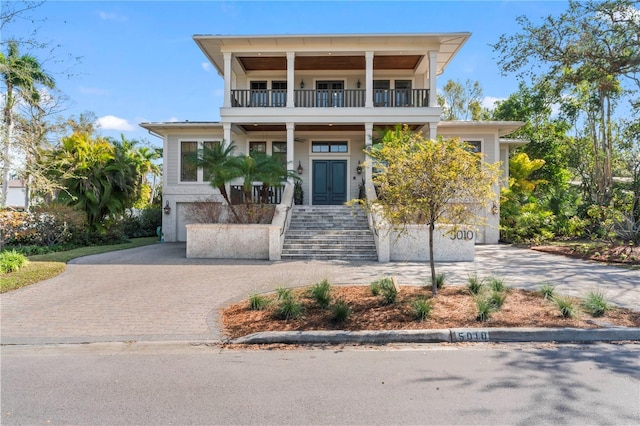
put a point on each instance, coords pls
(22, 76)
(430, 182)
(100, 176)
(461, 101)
(585, 53)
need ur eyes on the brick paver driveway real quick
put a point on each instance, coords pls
(155, 293)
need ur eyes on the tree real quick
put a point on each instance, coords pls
(430, 182)
(99, 176)
(586, 53)
(22, 76)
(461, 101)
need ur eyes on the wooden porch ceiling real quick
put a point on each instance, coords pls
(310, 63)
(315, 127)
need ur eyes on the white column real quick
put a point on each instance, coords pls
(291, 57)
(290, 142)
(368, 141)
(368, 100)
(226, 132)
(227, 80)
(433, 70)
(433, 130)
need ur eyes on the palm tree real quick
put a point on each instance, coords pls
(215, 160)
(21, 75)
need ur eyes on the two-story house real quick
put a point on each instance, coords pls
(315, 101)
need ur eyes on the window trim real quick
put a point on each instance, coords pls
(330, 142)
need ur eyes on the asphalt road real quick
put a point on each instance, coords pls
(178, 383)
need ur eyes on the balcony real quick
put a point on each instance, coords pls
(333, 98)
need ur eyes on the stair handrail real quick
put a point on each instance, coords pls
(288, 190)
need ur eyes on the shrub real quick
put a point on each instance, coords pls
(485, 308)
(375, 288)
(283, 293)
(289, 308)
(475, 285)
(43, 226)
(567, 310)
(257, 302)
(11, 261)
(321, 293)
(546, 291)
(340, 311)
(497, 299)
(497, 284)
(421, 308)
(440, 281)
(595, 304)
(388, 291)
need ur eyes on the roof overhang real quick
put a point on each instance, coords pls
(327, 51)
(502, 127)
(165, 128)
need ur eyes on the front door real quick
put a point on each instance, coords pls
(329, 182)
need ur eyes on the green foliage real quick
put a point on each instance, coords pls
(11, 261)
(288, 308)
(321, 293)
(440, 280)
(421, 308)
(547, 291)
(497, 299)
(283, 293)
(387, 290)
(475, 285)
(485, 307)
(375, 287)
(257, 302)
(566, 307)
(340, 311)
(144, 224)
(422, 181)
(496, 284)
(595, 304)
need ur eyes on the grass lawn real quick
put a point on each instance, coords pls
(45, 266)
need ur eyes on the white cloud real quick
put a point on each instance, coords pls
(111, 16)
(111, 122)
(206, 66)
(173, 120)
(489, 102)
(93, 91)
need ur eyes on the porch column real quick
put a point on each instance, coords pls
(433, 130)
(290, 142)
(433, 70)
(368, 141)
(227, 79)
(226, 133)
(291, 57)
(368, 97)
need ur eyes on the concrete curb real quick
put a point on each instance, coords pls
(453, 335)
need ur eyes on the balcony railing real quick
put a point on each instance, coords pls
(332, 98)
(259, 194)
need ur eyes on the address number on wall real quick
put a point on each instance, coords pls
(462, 235)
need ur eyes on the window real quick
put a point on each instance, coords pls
(330, 93)
(476, 146)
(206, 173)
(257, 147)
(279, 151)
(329, 147)
(279, 93)
(188, 166)
(259, 94)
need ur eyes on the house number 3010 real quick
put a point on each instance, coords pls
(462, 235)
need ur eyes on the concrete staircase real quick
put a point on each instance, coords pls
(329, 232)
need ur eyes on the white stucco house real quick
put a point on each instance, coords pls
(316, 101)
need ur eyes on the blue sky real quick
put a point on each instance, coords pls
(139, 62)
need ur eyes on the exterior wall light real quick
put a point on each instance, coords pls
(358, 84)
(300, 169)
(302, 84)
(167, 208)
(494, 209)
(359, 168)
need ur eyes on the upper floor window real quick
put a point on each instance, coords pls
(329, 147)
(279, 93)
(259, 94)
(188, 166)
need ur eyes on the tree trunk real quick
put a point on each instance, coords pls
(434, 284)
(6, 165)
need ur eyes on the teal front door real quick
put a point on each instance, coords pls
(329, 182)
